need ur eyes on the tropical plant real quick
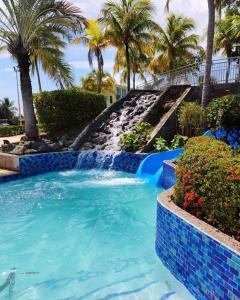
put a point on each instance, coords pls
(224, 113)
(178, 141)
(7, 109)
(176, 45)
(139, 58)
(64, 109)
(225, 40)
(128, 24)
(135, 140)
(209, 50)
(21, 23)
(96, 41)
(161, 145)
(208, 184)
(90, 83)
(192, 119)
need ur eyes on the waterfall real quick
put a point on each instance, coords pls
(97, 160)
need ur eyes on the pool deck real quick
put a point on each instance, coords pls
(6, 173)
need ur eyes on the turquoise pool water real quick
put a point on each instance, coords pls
(82, 235)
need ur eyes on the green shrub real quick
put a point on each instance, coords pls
(64, 109)
(224, 112)
(208, 184)
(6, 131)
(192, 119)
(178, 141)
(135, 140)
(161, 145)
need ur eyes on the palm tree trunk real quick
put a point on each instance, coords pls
(209, 53)
(134, 80)
(38, 76)
(99, 76)
(128, 67)
(27, 97)
(228, 69)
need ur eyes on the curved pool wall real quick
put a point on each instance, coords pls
(206, 266)
(31, 165)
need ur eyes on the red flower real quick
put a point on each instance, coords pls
(191, 196)
(185, 203)
(200, 202)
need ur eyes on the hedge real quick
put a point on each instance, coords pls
(6, 131)
(208, 184)
(64, 109)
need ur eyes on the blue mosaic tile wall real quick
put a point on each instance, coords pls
(169, 176)
(31, 165)
(209, 270)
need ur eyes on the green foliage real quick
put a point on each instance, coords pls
(224, 112)
(161, 145)
(63, 109)
(178, 141)
(135, 140)
(208, 184)
(7, 109)
(192, 119)
(6, 131)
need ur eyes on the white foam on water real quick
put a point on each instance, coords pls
(69, 173)
(95, 183)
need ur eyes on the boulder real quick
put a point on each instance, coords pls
(19, 150)
(6, 148)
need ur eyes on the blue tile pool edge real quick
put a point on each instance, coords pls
(207, 267)
(31, 165)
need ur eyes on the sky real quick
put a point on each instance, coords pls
(77, 55)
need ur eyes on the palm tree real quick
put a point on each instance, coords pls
(139, 62)
(21, 23)
(209, 51)
(7, 109)
(89, 83)
(128, 24)
(225, 40)
(96, 41)
(176, 46)
(48, 51)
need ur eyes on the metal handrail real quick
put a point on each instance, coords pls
(223, 71)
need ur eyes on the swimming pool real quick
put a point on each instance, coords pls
(82, 235)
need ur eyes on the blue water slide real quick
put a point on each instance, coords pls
(151, 168)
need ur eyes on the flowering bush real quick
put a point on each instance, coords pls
(208, 184)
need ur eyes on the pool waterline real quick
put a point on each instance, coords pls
(84, 235)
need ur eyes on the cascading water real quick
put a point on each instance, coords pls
(97, 159)
(122, 120)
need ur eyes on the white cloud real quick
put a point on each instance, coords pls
(6, 69)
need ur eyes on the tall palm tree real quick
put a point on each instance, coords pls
(21, 23)
(96, 41)
(89, 82)
(209, 51)
(176, 45)
(128, 24)
(225, 40)
(7, 109)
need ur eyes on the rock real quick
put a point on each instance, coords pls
(30, 151)
(55, 146)
(6, 148)
(113, 116)
(18, 150)
(6, 142)
(23, 139)
(39, 146)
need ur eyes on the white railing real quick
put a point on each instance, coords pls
(223, 71)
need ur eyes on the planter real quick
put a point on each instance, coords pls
(206, 260)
